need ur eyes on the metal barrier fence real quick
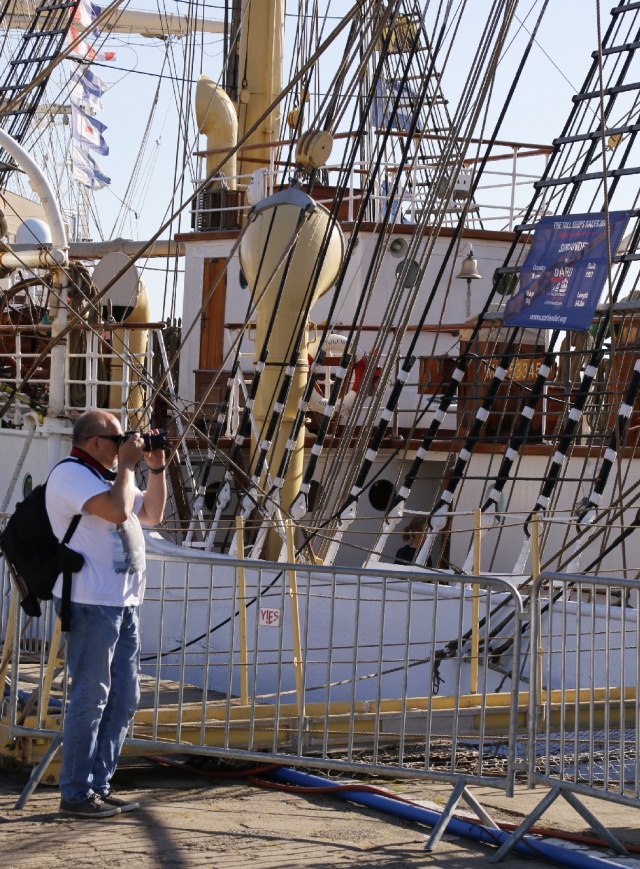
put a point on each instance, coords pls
(385, 672)
(584, 714)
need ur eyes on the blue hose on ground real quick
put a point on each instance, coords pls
(528, 846)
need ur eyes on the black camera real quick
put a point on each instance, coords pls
(152, 441)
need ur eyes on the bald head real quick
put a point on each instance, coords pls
(94, 422)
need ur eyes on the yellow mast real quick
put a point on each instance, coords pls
(260, 76)
(288, 236)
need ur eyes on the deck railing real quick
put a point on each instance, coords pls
(500, 198)
(109, 367)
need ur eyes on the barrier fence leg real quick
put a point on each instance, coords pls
(39, 771)
(8, 640)
(541, 808)
(484, 816)
(460, 791)
(590, 818)
(544, 804)
(445, 817)
(518, 834)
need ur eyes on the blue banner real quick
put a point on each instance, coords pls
(565, 272)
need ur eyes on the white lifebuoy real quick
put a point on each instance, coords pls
(318, 400)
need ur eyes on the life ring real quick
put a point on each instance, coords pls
(318, 401)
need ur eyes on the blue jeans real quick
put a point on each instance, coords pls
(103, 661)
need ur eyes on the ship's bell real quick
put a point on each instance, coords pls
(469, 268)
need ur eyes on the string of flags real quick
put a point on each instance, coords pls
(86, 99)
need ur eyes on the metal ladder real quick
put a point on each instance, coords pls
(574, 177)
(41, 43)
(414, 66)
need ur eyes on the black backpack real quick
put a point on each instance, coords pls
(36, 557)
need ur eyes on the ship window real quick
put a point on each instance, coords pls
(506, 284)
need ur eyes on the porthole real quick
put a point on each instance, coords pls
(411, 275)
(380, 494)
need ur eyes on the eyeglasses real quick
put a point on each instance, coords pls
(116, 439)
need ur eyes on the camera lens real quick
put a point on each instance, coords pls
(152, 441)
(155, 441)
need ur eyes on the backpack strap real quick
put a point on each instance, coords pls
(67, 575)
(68, 568)
(77, 461)
(72, 527)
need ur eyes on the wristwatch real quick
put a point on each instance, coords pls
(159, 470)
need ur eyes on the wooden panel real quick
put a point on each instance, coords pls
(435, 373)
(512, 394)
(325, 194)
(213, 314)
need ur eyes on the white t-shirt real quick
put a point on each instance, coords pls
(114, 555)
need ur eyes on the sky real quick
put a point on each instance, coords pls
(555, 70)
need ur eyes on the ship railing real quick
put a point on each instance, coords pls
(386, 672)
(224, 204)
(108, 366)
(437, 351)
(496, 200)
(584, 716)
(419, 390)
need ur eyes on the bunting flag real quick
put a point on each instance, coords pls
(88, 80)
(87, 131)
(87, 87)
(84, 93)
(85, 14)
(87, 171)
(85, 51)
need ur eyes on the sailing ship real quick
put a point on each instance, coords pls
(347, 355)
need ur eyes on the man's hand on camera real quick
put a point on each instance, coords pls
(131, 451)
(154, 458)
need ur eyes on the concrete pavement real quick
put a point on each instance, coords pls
(188, 821)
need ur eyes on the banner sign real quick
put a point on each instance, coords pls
(565, 272)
